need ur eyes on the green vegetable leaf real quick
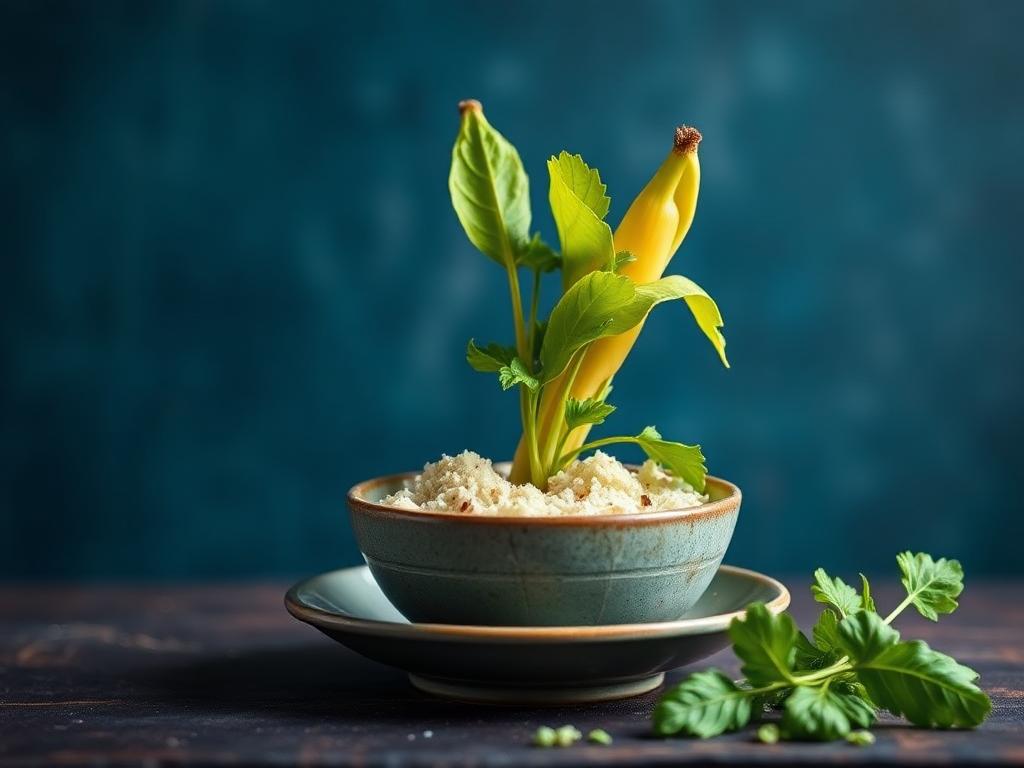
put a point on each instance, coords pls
(578, 204)
(864, 636)
(765, 642)
(589, 411)
(705, 704)
(684, 461)
(932, 585)
(539, 256)
(925, 686)
(835, 593)
(826, 631)
(515, 373)
(824, 713)
(489, 359)
(810, 657)
(701, 305)
(867, 603)
(490, 190)
(590, 309)
(622, 258)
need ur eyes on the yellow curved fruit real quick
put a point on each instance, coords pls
(652, 230)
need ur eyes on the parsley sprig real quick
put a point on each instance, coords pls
(834, 683)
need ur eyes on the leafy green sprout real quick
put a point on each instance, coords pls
(831, 687)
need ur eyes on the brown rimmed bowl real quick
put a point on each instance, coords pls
(542, 571)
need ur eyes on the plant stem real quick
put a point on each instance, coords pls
(517, 318)
(899, 609)
(555, 438)
(566, 458)
(528, 404)
(532, 330)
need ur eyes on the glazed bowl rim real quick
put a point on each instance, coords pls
(711, 509)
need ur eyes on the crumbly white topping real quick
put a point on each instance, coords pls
(597, 485)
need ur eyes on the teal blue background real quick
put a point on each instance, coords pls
(232, 284)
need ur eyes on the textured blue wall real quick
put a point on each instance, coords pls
(232, 284)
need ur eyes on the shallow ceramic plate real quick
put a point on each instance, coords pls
(527, 664)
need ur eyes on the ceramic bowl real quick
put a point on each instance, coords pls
(527, 665)
(542, 571)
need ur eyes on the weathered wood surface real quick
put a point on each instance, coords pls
(222, 675)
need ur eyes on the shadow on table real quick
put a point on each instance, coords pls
(304, 681)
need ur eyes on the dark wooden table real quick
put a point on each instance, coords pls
(222, 675)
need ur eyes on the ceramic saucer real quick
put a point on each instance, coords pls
(549, 665)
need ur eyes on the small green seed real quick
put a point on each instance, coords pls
(600, 736)
(861, 738)
(567, 735)
(545, 737)
(768, 733)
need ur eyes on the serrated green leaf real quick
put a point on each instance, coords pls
(765, 643)
(705, 704)
(589, 411)
(684, 461)
(515, 373)
(863, 636)
(926, 687)
(824, 713)
(933, 585)
(490, 190)
(826, 631)
(489, 359)
(835, 593)
(867, 603)
(586, 239)
(810, 657)
(539, 256)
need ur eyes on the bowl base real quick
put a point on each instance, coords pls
(495, 693)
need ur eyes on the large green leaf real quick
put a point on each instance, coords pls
(701, 305)
(490, 191)
(933, 585)
(927, 687)
(864, 636)
(684, 461)
(825, 713)
(705, 704)
(765, 643)
(578, 204)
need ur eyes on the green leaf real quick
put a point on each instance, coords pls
(926, 687)
(933, 585)
(578, 204)
(539, 256)
(622, 258)
(489, 359)
(589, 411)
(835, 593)
(824, 713)
(826, 631)
(490, 190)
(587, 311)
(515, 373)
(684, 461)
(861, 738)
(765, 643)
(705, 704)
(810, 657)
(867, 603)
(864, 635)
(701, 305)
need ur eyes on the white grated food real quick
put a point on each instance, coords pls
(598, 485)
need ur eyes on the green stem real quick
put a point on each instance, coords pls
(899, 609)
(528, 405)
(555, 439)
(532, 330)
(517, 318)
(567, 457)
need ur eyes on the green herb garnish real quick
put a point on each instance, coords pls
(855, 665)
